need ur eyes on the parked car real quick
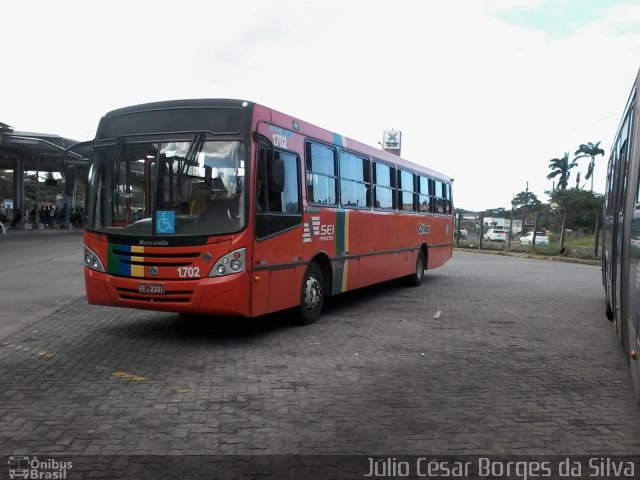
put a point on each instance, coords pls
(496, 235)
(541, 238)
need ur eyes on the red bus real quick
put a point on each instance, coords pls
(227, 207)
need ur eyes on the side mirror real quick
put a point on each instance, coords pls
(276, 175)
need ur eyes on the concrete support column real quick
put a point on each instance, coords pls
(36, 218)
(18, 186)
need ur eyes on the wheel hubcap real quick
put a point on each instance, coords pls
(312, 293)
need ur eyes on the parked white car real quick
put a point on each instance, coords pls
(541, 238)
(496, 235)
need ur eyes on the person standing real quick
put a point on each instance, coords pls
(17, 218)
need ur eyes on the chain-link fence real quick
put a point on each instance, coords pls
(475, 232)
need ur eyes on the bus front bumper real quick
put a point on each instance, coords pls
(226, 295)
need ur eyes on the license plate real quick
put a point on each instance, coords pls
(153, 288)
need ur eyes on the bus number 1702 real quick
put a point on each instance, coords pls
(189, 272)
(279, 140)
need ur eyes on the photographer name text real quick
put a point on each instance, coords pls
(484, 467)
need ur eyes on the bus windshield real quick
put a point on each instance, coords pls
(200, 180)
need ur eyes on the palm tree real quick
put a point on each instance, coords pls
(589, 150)
(560, 167)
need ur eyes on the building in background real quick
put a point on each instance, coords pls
(505, 223)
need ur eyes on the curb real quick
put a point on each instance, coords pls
(551, 258)
(13, 233)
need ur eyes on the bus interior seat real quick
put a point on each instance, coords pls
(218, 189)
(199, 199)
(220, 210)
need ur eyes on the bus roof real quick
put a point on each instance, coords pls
(280, 119)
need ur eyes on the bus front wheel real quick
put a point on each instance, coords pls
(311, 295)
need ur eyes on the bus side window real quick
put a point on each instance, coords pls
(446, 193)
(384, 179)
(423, 194)
(354, 181)
(321, 174)
(406, 188)
(433, 202)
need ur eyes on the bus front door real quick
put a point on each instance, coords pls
(277, 251)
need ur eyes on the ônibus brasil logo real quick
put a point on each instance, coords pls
(32, 468)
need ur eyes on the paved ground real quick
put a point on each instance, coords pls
(40, 270)
(491, 355)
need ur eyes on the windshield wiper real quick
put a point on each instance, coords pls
(194, 148)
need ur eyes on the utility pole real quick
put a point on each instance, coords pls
(563, 251)
(597, 237)
(524, 208)
(510, 226)
(535, 230)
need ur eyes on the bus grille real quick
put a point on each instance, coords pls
(170, 296)
(164, 259)
(147, 262)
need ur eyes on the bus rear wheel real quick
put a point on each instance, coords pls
(311, 295)
(609, 311)
(415, 279)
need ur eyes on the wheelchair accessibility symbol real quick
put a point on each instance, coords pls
(166, 222)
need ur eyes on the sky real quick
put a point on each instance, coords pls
(485, 91)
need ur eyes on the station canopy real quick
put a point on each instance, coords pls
(38, 151)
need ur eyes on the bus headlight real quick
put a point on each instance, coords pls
(233, 262)
(92, 261)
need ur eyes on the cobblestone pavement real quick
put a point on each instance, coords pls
(491, 355)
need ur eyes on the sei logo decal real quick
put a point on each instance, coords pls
(314, 228)
(424, 229)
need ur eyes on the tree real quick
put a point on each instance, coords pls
(495, 212)
(525, 199)
(524, 203)
(589, 150)
(464, 212)
(545, 217)
(561, 167)
(581, 208)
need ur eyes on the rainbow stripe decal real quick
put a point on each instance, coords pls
(342, 247)
(120, 257)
